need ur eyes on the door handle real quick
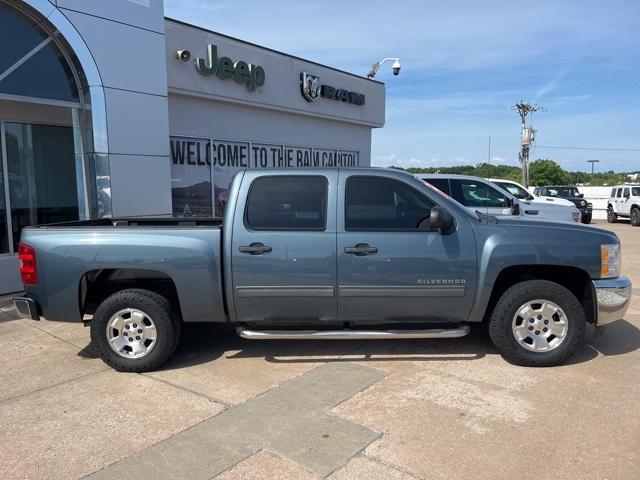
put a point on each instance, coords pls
(360, 249)
(256, 248)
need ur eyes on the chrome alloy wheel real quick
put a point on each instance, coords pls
(540, 326)
(131, 333)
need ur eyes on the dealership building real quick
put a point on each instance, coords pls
(109, 109)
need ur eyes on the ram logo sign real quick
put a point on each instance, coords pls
(311, 89)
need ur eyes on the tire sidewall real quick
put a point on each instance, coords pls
(157, 308)
(611, 216)
(635, 217)
(518, 295)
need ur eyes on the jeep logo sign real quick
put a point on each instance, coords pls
(242, 72)
(311, 89)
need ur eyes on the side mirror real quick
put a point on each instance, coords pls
(515, 208)
(581, 195)
(626, 195)
(441, 220)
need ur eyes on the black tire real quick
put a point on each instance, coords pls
(157, 308)
(635, 217)
(586, 219)
(500, 323)
(611, 216)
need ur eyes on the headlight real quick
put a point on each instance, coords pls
(583, 203)
(576, 216)
(610, 260)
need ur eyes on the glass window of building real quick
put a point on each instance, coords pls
(42, 161)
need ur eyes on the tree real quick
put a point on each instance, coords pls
(547, 172)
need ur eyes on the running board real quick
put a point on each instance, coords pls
(352, 334)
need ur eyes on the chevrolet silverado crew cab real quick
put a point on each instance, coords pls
(326, 254)
(625, 203)
(484, 196)
(568, 193)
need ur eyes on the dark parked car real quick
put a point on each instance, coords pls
(569, 193)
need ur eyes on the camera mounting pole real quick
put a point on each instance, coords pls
(376, 66)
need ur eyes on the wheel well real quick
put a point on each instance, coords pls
(97, 285)
(577, 281)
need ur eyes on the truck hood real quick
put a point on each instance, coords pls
(544, 206)
(539, 226)
(552, 201)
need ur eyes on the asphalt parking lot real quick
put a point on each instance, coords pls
(234, 409)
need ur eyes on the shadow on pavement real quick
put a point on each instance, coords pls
(203, 343)
(618, 338)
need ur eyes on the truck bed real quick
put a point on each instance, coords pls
(139, 222)
(183, 252)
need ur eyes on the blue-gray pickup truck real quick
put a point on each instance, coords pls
(326, 254)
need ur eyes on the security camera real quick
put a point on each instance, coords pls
(185, 55)
(396, 67)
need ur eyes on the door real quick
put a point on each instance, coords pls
(625, 202)
(284, 248)
(479, 196)
(618, 202)
(388, 269)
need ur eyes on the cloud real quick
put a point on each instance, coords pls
(553, 84)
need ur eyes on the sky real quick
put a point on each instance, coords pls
(463, 64)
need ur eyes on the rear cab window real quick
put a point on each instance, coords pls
(287, 202)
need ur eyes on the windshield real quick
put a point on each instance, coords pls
(515, 190)
(562, 192)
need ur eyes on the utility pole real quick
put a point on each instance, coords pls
(593, 163)
(489, 153)
(527, 136)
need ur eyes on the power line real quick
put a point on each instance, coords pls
(591, 148)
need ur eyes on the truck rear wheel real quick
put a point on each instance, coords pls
(611, 215)
(635, 216)
(537, 323)
(135, 330)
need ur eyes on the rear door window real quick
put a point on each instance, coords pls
(292, 202)
(619, 194)
(441, 184)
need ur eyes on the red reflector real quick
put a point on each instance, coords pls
(28, 270)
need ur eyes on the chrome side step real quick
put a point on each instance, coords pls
(352, 334)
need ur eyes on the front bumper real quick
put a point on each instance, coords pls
(26, 308)
(613, 296)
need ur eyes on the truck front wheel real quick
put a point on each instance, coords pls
(135, 330)
(537, 323)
